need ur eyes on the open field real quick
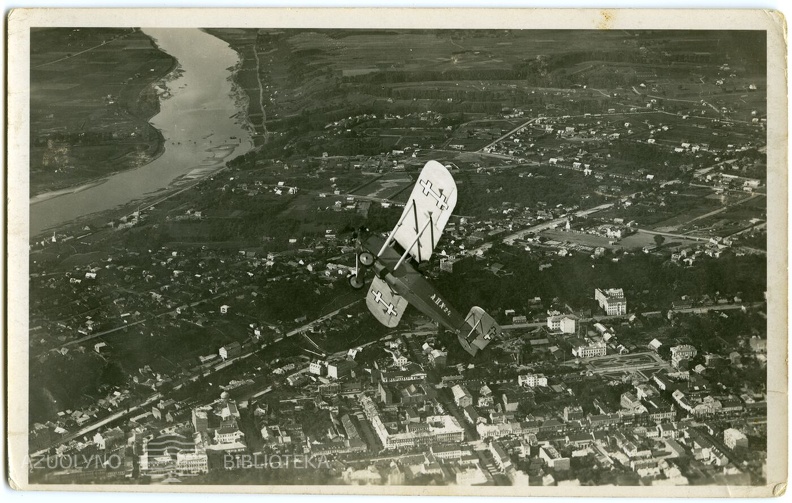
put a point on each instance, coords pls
(312, 74)
(679, 219)
(92, 94)
(641, 239)
(578, 238)
(385, 186)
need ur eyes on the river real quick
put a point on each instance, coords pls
(198, 119)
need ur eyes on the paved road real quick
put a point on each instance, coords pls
(762, 225)
(595, 319)
(540, 227)
(70, 56)
(524, 124)
(261, 92)
(327, 316)
(721, 210)
(717, 307)
(93, 426)
(606, 318)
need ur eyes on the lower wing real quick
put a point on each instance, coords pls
(385, 304)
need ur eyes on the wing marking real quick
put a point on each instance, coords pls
(385, 304)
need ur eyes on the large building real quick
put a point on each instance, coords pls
(734, 438)
(200, 420)
(532, 380)
(588, 349)
(553, 459)
(228, 434)
(318, 368)
(230, 350)
(612, 300)
(339, 369)
(629, 402)
(462, 396)
(450, 451)
(564, 323)
(409, 393)
(431, 430)
(659, 409)
(500, 456)
(411, 374)
(172, 453)
(680, 353)
(498, 430)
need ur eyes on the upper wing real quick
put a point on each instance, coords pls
(426, 213)
(385, 304)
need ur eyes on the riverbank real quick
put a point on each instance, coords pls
(91, 110)
(202, 123)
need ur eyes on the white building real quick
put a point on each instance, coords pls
(340, 369)
(472, 475)
(612, 300)
(734, 438)
(567, 324)
(318, 368)
(532, 380)
(227, 434)
(553, 459)
(192, 462)
(589, 349)
(230, 350)
(462, 396)
(434, 429)
(399, 359)
(683, 352)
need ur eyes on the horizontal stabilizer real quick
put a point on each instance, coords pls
(479, 330)
(385, 304)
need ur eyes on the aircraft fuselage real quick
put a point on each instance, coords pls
(411, 285)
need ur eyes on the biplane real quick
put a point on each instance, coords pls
(397, 283)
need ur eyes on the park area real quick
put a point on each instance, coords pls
(627, 363)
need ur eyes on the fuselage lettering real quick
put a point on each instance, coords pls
(439, 302)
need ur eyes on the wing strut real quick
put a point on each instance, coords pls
(393, 232)
(431, 230)
(474, 327)
(417, 237)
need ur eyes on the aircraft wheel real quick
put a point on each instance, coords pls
(366, 259)
(356, 282)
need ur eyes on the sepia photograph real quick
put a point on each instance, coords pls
(398, 251)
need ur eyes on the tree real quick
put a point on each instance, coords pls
(112, 374)
(659, 240)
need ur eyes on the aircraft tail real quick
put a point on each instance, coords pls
(478, 331)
